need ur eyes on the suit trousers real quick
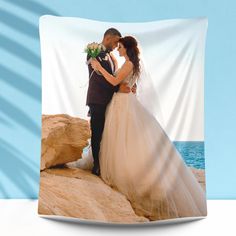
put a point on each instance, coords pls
(97, 120)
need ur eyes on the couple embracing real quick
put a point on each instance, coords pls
(131, 151)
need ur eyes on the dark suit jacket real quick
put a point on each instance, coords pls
(100, 91)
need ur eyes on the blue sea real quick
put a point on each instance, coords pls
(192, 152)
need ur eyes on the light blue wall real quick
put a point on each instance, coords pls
(20, 83)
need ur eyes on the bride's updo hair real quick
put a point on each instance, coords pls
(132, 50)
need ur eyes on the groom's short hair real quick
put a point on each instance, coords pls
(113, 32)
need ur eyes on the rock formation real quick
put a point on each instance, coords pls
(63, 139)
(72, 192)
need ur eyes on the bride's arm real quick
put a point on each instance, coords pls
(121, 75)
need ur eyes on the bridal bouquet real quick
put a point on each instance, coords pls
(93, 50)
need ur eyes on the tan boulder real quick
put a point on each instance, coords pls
(80, 194)
(63, 139)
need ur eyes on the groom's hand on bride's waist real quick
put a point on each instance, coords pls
(124, 88)
(134, 88)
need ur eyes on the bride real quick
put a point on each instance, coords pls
(137, 157)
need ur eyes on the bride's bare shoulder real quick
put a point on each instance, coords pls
(126, 68)
(129, 63)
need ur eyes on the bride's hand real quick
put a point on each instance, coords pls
(95, 64)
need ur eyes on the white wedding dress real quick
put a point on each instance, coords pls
(139, 160)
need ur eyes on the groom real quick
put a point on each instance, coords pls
(100, 92)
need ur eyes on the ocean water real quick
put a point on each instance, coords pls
(192, 152)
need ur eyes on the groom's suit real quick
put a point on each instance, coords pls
(99, 95)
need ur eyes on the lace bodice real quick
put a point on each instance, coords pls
(130, 79)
